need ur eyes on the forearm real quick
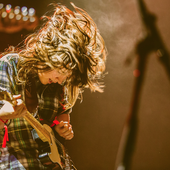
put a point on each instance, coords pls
(64, 117)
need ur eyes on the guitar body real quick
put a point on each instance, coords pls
(48, 152)
(52, 154)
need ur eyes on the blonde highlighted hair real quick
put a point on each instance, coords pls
(67, 39)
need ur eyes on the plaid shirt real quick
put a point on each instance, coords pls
(21, 150)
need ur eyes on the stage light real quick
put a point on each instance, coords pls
(25, 18)
(18, 17)
(11, 15)
(8, 8)
(32, 19)
(1, 5)
(17, 10)
(4, 14)
(31, 12)
(24, 11)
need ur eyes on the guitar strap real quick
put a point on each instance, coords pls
(31, 99)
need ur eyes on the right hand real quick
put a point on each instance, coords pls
(10, 111)
(64, 129)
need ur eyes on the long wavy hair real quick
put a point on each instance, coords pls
(70, 40)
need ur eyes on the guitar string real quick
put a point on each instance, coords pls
(66, 155)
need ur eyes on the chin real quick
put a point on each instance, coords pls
(43, 82)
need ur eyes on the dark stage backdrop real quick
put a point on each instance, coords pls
(98, 121)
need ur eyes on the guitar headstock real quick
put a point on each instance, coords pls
(4, 95)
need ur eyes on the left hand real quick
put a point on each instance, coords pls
(12, 111)
(64, 129)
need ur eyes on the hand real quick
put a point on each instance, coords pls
(64, 129)
(10, 111)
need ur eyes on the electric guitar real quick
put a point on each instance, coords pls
(54, 154)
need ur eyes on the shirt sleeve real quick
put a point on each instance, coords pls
(8, 72)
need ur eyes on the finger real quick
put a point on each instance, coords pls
(20, 105)
(62, 132)
(66, 131)
(63, 124)
(17, 96)
(66, 128)
(19, 102)
(69, 136)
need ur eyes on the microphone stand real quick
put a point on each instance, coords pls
(152, 42)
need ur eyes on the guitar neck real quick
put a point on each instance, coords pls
(42, 132)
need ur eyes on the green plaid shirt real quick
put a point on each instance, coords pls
(21, 150)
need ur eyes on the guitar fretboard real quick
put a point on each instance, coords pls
(42, 132)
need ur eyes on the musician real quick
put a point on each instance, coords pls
(46, 76)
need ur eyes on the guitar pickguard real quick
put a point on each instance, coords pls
(48, 152)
